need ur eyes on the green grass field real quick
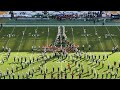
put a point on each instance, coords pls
(21, 46)
(102, 44)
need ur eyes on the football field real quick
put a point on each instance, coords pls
(21, 39)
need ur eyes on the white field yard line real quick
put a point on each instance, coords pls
(47, 46)
(47, 36)
(34, 42)
(1, 29)
(72, 34)
(21, 41)
(118, 28)
(112, 39)
(110, 36)
(116, 42)
(86, 37)
(35, 36)
(42, 40)
(0, 32)
(86, 40)
(9, 38)
(39, 38)
(17, 25)
(33, 45)
(32, 53)
(119, 31)
(99, 39)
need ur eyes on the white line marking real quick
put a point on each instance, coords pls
(1, 29)
(99, 40)
(21, 41)
(110, 36)
(9, 38)
(72, 33)
(85, 36)
(35, 35)
(34, 42)
(118, 28)
(52, 25)
(47, 36)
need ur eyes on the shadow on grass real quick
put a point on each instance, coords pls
(30, 64)
(90, 63)
(104, 60)
(110, 54)
(87, 75)
(93, 77)
(105, 70)
(39, 74)
(96, 66)
(93, 65)
(84, 73)
(99, 68)
(117, 67)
